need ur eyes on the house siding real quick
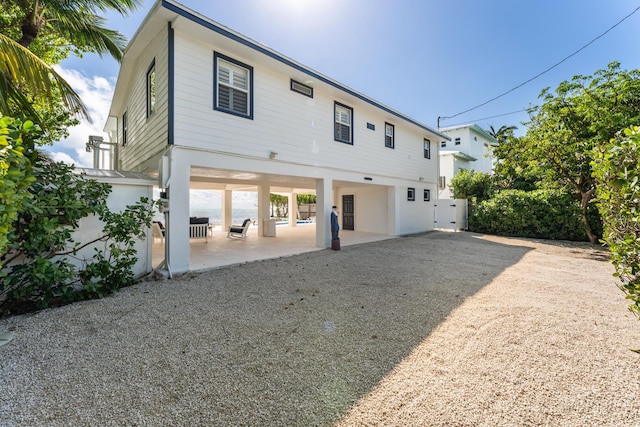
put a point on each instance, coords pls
(297, 127)
(146, 136)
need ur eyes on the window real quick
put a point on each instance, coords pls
(233, 86)
(443, 144)
(389, 139)
(427, 149)
(301, 88)
(427, 195)
(343, 131)
(457, 141)
(411, 194)
(125, 126)
(151, 89)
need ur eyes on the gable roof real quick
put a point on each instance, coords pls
(474, 127)
(165, 11)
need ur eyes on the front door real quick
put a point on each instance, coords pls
(347, 212)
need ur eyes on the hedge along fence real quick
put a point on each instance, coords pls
(541, 214)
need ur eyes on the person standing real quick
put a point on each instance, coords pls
(334, 223)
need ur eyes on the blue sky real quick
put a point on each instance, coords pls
(424, 58)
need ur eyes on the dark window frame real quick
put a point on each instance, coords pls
(336, 134)
(218, 56)
(457, 141)
(426, 147)
(389, 143)
(125, 128)
(411, 194)
(426, 195)
(151, 89)
(293, 87)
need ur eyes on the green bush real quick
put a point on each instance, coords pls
(43, 265)
(542, 214)
(616, 166)
(468, 184)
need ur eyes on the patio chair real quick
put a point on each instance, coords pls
(157, 230)
(239, 230)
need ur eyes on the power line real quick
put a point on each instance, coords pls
(545, 71)
(493, 117)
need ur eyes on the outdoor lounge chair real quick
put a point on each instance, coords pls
(239, 230)
(157, 230)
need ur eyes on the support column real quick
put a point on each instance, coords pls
(293, 209)
(324, 202)
(177, 238)
(264, 192)
(227, 209)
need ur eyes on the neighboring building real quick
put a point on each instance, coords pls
(469, 148)
(202, 106)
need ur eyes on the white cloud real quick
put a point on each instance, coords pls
(96, 92)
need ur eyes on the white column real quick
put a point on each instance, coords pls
(177, 239)
(227, 209)
(263, 207)
(293, 209)
(324, 202)
(392, 203)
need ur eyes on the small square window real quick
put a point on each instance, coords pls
(443, 144)
(411, 194)
(427, 149)
(389, 135)
(343, 130)
(457, 141)
(151, 89)
(427, 195)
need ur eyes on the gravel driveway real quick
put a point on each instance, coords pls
(450, 329)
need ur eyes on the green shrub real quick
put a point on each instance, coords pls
(44, 265)
(542, 214)
(617, 168)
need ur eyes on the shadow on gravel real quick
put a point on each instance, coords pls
(288, 342)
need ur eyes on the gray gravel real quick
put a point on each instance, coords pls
(435, 329)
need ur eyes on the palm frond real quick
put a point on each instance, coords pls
(20, 65)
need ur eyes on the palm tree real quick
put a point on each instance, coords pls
(74, 21)
(501, 134)
(77, 21)
(19, 66)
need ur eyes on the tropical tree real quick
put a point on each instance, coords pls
(20, 68)
(581, 114)
(51, 29)
(503, 133)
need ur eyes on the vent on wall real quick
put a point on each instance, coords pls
(301, 88)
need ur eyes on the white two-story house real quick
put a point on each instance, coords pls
(469, 147)
(202, 106)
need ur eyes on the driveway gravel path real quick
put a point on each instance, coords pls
(451, 329)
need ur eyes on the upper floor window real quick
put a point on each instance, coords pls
(427, 148)
(443, 144)
(151, 89)
(233, 86)
(389, 135)
(125, 126)
(343, 131)
(457, 141)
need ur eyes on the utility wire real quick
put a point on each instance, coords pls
(545, 71)
(493, 117)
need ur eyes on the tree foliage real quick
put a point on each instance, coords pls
(617, 170)
(579, 115)
(45, 265)
(468, 184)
(16, 156)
